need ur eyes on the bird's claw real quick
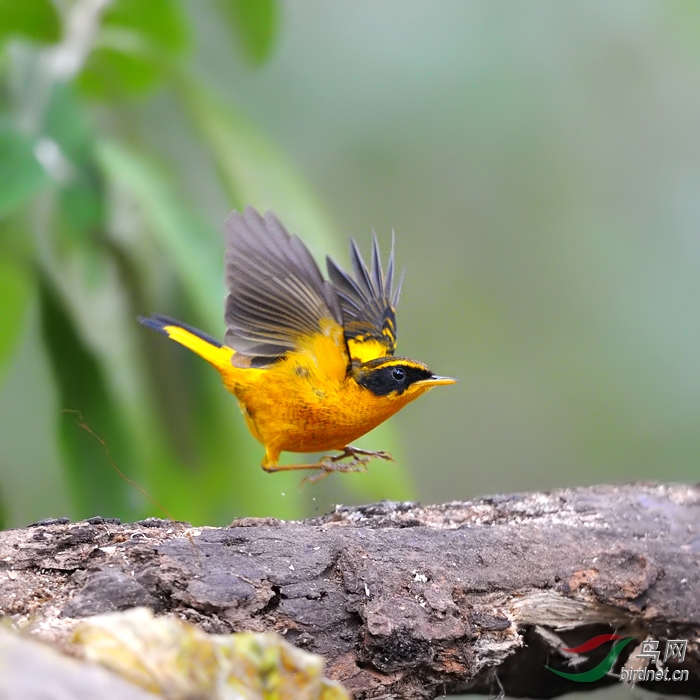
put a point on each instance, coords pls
(359, 459)
(362, 455)
(328, 466)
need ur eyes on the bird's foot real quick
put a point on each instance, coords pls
(361, 455)
(359, 459)
(327, 466)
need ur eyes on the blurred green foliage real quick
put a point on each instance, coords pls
(32, 19)
(539, 162)
(95, 228)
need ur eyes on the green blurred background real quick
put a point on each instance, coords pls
(539, 161)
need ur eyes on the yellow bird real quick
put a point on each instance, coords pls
(310, 361)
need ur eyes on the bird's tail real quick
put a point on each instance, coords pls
(204, 345)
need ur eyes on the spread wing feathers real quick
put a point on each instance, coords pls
(367, 300)
(276, 292)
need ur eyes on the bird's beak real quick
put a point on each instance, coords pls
(435, 381)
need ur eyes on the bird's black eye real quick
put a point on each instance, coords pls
(382, 377)
(398, 374)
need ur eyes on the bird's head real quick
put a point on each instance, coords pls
(396, 378)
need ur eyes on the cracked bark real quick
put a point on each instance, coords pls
(402, 600)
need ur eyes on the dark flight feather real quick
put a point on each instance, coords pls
(367, 300)
(158, 322)
(276, 292)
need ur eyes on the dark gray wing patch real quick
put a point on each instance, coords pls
(276, 291)
(367, 301)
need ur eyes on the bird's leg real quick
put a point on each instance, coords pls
(358, 463)
(327, 466)
(330, 463)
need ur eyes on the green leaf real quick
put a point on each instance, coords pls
(21, 175)
(66, 121)
(227, 457)
(82, 206)
(194, 248)
(88, 330)
(34, 19)
(15, 292)
(81, 196)
(137, 42)
(163, 23)
(85, 399)
(254, 23)
(110, 74)
(32, 482)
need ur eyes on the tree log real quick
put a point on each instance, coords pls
(402, 600)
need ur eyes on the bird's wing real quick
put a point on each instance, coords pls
(368, 303)
(276, 294)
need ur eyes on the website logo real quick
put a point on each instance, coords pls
(674, 651)
(650, 654)
(604, 667)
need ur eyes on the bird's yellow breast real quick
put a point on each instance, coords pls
(308, 401)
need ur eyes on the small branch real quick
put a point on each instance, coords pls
(402, 600)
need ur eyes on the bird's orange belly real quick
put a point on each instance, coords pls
(312, 420)
(317, 427)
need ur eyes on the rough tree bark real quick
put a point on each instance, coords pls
(402, 600)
